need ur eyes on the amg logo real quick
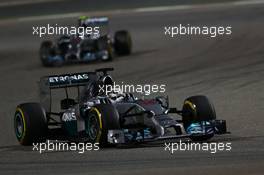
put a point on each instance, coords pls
(68, 78)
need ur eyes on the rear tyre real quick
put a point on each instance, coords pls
(122, 43)
(99, 120)
(46, 50)
(30, 123)
(198, 109)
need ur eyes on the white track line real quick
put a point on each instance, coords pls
(163, 8)
(137, 10)
(25, 2)
(248, 2)
(188, 7)
(49, 17)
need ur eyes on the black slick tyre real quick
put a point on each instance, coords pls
(30, 123)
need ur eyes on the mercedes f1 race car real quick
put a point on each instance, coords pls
(93, 42)
(109, 119)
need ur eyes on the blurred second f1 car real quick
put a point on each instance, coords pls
(113, 118)
(93, 42)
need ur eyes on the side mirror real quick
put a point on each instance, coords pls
(67, 103)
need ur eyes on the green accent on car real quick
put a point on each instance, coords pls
(83, 17)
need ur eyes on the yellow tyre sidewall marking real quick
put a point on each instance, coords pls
(193, 107)
(100, 123)
(24, 123)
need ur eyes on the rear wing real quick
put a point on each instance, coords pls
(96, 20)
(102, 23)
(72, 79)
(66, 80)
(63, 81)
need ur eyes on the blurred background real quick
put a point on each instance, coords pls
(228, 69)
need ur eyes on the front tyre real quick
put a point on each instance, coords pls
(197, 111)
(122, 43)
(30, 123)
(99, 120)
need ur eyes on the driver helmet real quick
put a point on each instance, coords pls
(106, 84)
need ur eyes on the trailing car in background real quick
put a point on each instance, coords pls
(99, 45)
(113, 118)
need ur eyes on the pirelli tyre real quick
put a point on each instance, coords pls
(122, 43)
(46, 50)
(30, 123)
(198, 109)
(99, 120)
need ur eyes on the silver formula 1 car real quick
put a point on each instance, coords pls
(83, 47)
(113, 118)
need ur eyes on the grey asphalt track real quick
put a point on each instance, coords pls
(70, 6)
(228, 69)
